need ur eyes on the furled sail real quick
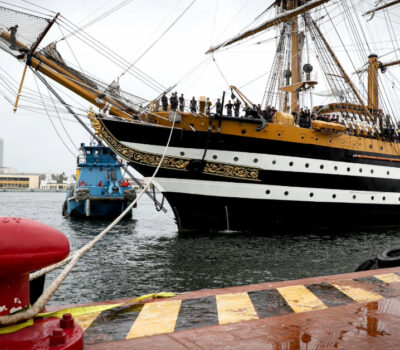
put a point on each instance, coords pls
(270, 23)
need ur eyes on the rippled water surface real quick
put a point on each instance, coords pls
(146, 254)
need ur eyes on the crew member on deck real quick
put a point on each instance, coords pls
(218, 107)
(193, 105)
(173, 100)
(182, 103)
(208, 106)
(229, 107)
(164, 102)
(236, 107)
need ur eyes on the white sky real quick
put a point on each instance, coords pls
(30, 141)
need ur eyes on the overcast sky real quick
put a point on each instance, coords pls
(31, 143)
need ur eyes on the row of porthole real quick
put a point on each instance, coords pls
(307, 165)
(311, 194)
(255, 160)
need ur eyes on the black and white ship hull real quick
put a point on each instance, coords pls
(217, 182)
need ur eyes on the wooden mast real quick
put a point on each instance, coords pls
(373, 87)
(295, 56)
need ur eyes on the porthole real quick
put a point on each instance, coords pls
(335, 167)
(255, 160)
(370, 146)
(354, 196)
(388, 172)
(360, 170)
(307, 165)
(399, 199)
(215, 156)
(274, 162)
(279, 134)
(311, 194)
(316, 139)
(291, 164)
(354, 144)
(267, 191)
(286, 193)
(384, 198)
(236, 159)
(244, 131)
(372, 171)
(321, 167)
(330, 141)
(381, 148)
(302, 137)
(348, 169)
(372, 198)
(334, 196)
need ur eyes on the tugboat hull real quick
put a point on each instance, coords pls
(99, 209)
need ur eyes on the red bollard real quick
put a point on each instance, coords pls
(26, 246)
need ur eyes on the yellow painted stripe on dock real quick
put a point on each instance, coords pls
(301, 299)
(358, 294)
(156, 318)
(235, 308)
(389, 278)
(86, 320)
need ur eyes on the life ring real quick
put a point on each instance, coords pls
(389, 258)
(82, 183)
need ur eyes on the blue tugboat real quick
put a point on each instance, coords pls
(100, 190)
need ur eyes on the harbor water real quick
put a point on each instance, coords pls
(146, 254)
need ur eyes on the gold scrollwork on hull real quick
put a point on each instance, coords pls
(131, 155)
(231, 171)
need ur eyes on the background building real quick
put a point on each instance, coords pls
(19, 181)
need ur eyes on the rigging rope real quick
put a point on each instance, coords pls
(220, 71)
(98, 18)
(109, 54)
(55, 129)
(43, 8)
(159, 38)
(58, 115)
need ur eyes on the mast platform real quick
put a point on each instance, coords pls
(349, 311)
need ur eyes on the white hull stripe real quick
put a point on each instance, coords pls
(270, 192)
(275, 162)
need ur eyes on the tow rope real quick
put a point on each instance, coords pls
(82, 310)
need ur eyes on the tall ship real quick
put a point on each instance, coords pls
(279, 163)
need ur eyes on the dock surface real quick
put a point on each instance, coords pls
(350, 311)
